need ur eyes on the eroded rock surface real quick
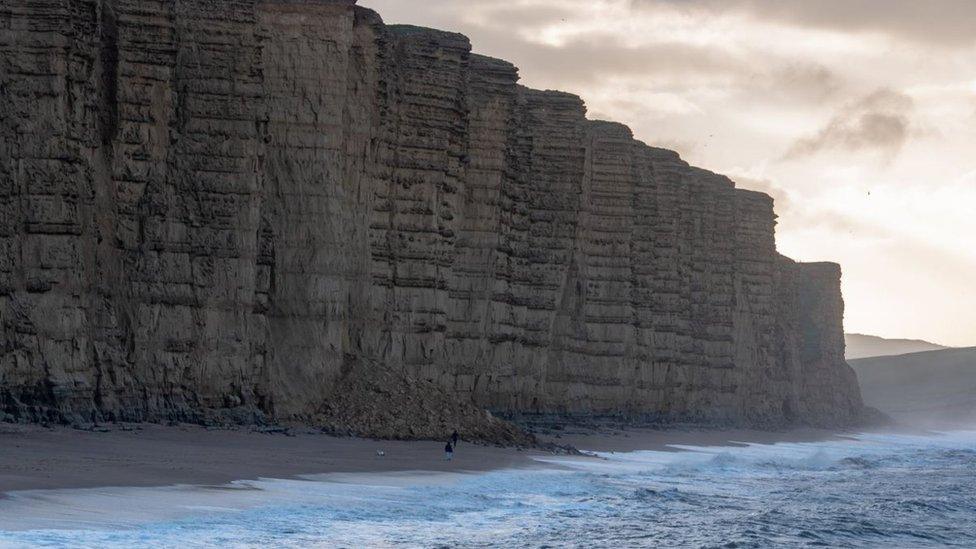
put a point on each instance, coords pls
(229, 210)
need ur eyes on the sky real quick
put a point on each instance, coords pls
(857, 116)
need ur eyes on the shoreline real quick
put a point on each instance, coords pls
(690, 492)
(672, 438)
(149, 455)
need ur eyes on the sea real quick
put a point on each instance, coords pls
(865, 490)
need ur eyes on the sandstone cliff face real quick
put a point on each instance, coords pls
(233, 209)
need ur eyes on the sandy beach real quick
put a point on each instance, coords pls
(186, 486)
(37, 458)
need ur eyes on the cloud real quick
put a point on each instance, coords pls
(672, 63)
(592, 57)
(864, 232)
(879, 122)
(806, 80)
(938, 22)
(781, 198)
(526, 16)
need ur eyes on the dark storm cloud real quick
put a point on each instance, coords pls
(879, 122)
(946, 22)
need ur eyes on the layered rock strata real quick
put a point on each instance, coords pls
(233, 209)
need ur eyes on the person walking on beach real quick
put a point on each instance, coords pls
(455, 437)
(449, 451)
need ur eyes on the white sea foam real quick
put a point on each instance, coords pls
(913, 490)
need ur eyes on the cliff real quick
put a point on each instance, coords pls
(251, 210)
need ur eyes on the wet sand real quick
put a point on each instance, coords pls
(37, 458)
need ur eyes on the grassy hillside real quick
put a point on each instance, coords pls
(933, 387)
(864, 346)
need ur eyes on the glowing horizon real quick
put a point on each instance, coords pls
(858, 117)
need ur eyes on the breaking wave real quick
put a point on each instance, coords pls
(874, 489)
